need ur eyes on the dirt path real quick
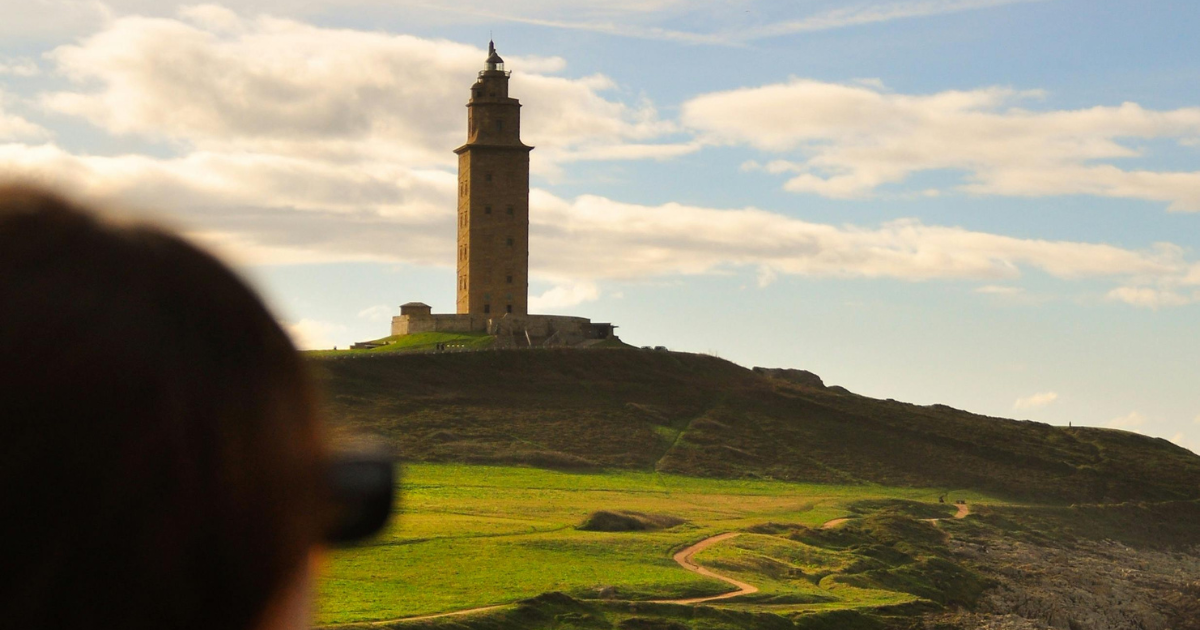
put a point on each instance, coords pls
(684, 558)
(963, 512)
(469, 611)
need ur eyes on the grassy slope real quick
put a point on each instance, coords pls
(501, 534)
(702, 416)
(418, 342)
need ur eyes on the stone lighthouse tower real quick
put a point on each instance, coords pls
(493, 200)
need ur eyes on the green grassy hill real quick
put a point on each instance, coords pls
(702, 416)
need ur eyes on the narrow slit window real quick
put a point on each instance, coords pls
(508, 279)
(509, 210)
(487, 209)
(487, 177)
(509, 242)
(509, 307)
(487, 308)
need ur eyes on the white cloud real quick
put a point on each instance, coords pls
(565, 295)
(14, 127)
(849, 140)
(1149, 297)
(222, 83)
(741, 21)
(860, 14)
(594, 237)
(1186, 442)
(1036, 400)
(378, 313)
(311, 334)
(995, 289)
(311, 210)
(1131, 422)
(19, 67)
(36, 19)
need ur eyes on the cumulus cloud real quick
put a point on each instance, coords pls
(305, 144)
(220, 82)
(850, 140)
(564, 296)
(1036, 400)
(1130, 422)
(592, 237)
(302, 209)
(311, 334)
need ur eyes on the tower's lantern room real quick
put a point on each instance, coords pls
(494, 62)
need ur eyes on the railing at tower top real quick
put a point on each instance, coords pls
(483, 73)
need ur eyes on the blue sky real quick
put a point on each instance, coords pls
(990, 204)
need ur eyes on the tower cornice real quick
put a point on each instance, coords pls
(501, 147)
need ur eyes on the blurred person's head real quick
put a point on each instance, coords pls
(160, 456)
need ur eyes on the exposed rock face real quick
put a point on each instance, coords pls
(1091, 585)
(799, 377)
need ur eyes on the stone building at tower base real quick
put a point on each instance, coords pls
(531, 330)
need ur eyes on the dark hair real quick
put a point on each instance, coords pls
(160, 458)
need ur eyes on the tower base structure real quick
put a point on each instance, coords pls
(531, 330)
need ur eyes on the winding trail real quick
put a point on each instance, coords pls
(469, 611)
(963, 512)
(684, 558)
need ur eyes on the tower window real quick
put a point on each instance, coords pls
(487, 209)
(499, 125)
(508, 279)
(509, 307)
(488, 177)
(509, 210)
(487, 308)
(509, 242)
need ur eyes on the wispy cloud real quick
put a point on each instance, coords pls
(1150, 297)
(1036, 400)
(1132, 421)
(311, 334)
(565, 295)
(843, 17)
(869, 14)
(994, 289)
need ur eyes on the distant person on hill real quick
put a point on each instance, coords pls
(162, 464)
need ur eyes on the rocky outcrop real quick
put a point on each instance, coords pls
(799, 377)
(1089, 585)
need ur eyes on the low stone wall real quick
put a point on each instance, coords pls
(560, 329)
(412, 324)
